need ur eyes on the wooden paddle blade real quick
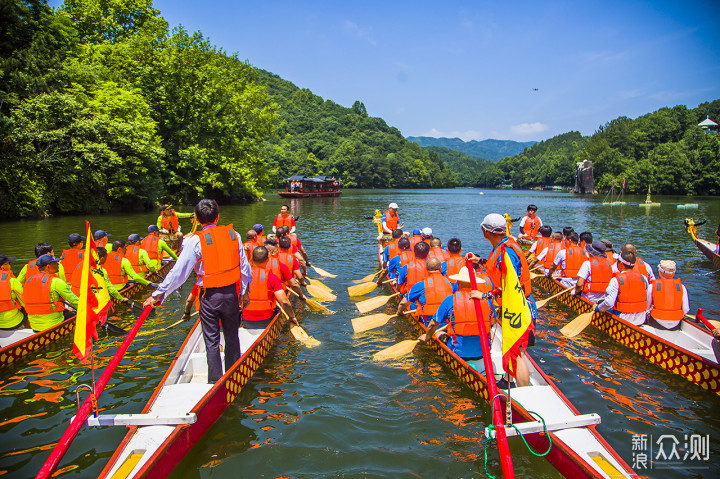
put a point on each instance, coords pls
(366, 323)
(320, 284)
(366, 279)
(397, 350)
(302, 336)
(315, 306)
(577, 325)
(362, 289)
(320, 293)
(372, 303)
(322, 272)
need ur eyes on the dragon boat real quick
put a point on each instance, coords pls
(708, 248)
(183, 406)
(19, 343)
(686, 352)
(577, 449)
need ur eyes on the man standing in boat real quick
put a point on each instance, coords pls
(530, 223)
(390, 219)
(216, 254)
(284, 219)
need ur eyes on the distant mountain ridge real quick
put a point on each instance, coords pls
(492, 150)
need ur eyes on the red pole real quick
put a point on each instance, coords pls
(64, 444)
(707, 324)
(505, 457)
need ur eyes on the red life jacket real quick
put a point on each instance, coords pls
(71, 257)
(391, 220)
(667, 300)
(7, 302)
(169, 222)
(416, 272)
(437, 288)
(286, 220)
(37, 297)
(553, 250)
(220, 256)
(262, 299)
(632, 295)
(113, 266)
(454, 264)
(31, 270)
(600, 275)
(494, 272)
(465, 321)
(574, 258)
(531, 226)
(151, 244)
(438, 253)
(132, 253)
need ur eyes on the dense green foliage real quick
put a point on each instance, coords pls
(465, 168)
(492, 150)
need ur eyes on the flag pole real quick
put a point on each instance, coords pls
(77, 422)
(504, 449)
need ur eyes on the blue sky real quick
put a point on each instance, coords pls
(468, 68)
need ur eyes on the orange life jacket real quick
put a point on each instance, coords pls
(600, 275)
(610, 257)
(496, 275)
(273, 266)
(7, 302)
(220, 256)
(249, 246)
(465, 322)
(261, 298)
(406, 257)
(632, 294)
(454, 264)
(132, 253)
(71, 257)
(31, 270)
(286, 220)
(574, 258)
(553, 250)
(393, 249)
(286, 257)
(531, 226)
(541, 244)
(640, 266)
(391, 220)
(75, 280)
(37, 297)
(667, 300)
(260, 240)
(414, 240)
(293, 239)
(151, 244)
(438, 253)
(437, 288)
(416, 272)
(113, 266)
(169, 222)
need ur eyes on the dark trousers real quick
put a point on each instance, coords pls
(220, 305)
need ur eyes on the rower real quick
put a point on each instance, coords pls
(609, 251)
(395, 264)
(43, 295)
(119, 269)
(218, 258)
(586, 238)
(542, 242)
(168, 222)
(101, 271)
(299, 248)
(101, 238)
(390, 220)
(259, 237)
(71, 257)
(286, 256)
(458, 310)
(31, 268)
(392, 249)
(569, 259)
(566, 234)
(155, 246)
(530, 223)
(284, 219)
(265, 292)
(250, 243)
(280, 269)
(667, 299)
(138, 257)
(426, 235)
(547, 255)
(640, 266)
(595, 274)
(416, 269)
(428, 293)
(626, 294)
(436, 250)
(12, 314)
(455, 261)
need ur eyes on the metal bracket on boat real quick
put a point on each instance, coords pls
(77, 394)
(532, 427)
(141, 420)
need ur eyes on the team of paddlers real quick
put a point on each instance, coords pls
(435, 280)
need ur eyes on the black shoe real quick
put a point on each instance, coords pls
(503, 384)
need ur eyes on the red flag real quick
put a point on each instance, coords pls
(86, 318)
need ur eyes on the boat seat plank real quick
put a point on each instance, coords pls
(145, 441)
(11, 337)
(179, 399)
(588, 447)
(544, 401)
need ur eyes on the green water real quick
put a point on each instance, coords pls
(333, 412)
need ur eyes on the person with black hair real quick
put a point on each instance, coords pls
(45, 294)
(569, 260)
(394, 265)
(586, 238)
(627, 292)
(455, 260)
(12, 313)
(543, 241)
(31, 269)
(285, 218)
(530, 223)
(71, 257)
(416, 269)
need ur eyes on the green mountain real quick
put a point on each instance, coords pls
(492, 150)
(465, 168)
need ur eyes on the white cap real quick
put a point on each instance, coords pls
(426, 232)
(393, 205)
(494, 223)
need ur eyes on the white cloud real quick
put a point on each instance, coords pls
(527, 129)
(353, 29)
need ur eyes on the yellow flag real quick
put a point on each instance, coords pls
(87, 302)
(515, 314)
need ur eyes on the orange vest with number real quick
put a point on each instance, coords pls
(438, 253)
(552, 250)
(416, 272)
(71, 257)
(261, 298)
(169, 222)
(220, 256)
(454, 264)
(391, 220)
(284, 221)
(437, 288)
(132, 253)
(600, 275)
(531, 226)
(465, 322)
(113, 266)
(494, 272)
(36, 295)
(667, 300)
(574, 258)
(7, 302)
(632, 294)
(151, 244)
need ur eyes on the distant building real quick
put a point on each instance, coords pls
(584, 181)
(708, 125)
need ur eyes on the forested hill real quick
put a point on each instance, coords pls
(492, 150)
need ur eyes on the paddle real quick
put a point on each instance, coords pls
(543, 302)
(320, 293)
(180, 321)
(320, 284)
(373, 303)
(367, 278)
(313, 305)
(365, 288)
(577, 325)
(366, 323)
(400, 349)
(300, 334)
(322, 272)
(711, 325)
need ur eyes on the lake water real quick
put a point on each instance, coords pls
(331, 411)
